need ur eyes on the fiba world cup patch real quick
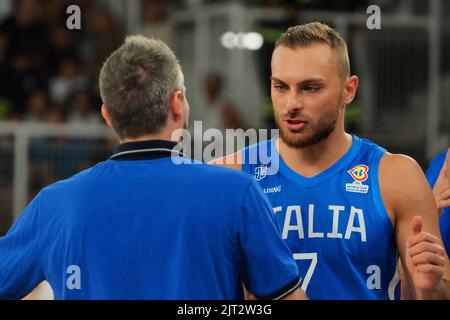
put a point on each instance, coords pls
(360, 173)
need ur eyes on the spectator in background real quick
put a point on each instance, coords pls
(23, 65)
(36, 107)
(81, 110)
(18, 80)
(24, 29)
(55, 10)
(155, 22)
(62, 45)
(218, 113)
(215, 112)
(68, 80)
(55, 114)
(6, 182)
(3, 48)
(103, 36)
(5, 104)
(37, 52)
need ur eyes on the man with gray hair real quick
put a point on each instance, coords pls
(139, 226)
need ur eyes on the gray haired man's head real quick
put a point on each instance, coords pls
(136, 83)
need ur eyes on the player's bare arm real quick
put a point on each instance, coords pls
(412, 209)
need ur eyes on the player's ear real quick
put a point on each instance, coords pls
(176, 105)
(350, 88)
(106, 116)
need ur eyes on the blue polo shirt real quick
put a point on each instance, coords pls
(139, 226)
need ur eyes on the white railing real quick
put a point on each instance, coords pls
(22, 135)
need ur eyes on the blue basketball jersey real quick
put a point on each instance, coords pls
(444, 221)
(335, 223)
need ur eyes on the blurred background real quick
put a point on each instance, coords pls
(50, 125)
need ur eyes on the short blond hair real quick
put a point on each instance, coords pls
(306, 35)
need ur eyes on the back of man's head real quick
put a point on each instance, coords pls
(136, 83)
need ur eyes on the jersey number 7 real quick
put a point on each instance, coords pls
(312, 266)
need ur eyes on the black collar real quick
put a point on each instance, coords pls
(145, 150)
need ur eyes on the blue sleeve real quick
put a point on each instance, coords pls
(20, 270)
(435, 168)
(270, 271)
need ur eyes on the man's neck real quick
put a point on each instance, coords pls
(147, 137)
(312, 160)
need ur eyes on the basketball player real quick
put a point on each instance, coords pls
(346, 207)
(138, 226)
(438, 175)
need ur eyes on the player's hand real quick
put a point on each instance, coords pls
(441, 190)
(425, 257)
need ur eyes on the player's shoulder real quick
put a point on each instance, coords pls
(232, 161)
(399, 164)
(74, 181)
(250, 153)
(220, 173)
(401, 174)
(392, 164)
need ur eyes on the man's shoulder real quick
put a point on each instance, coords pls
(219, 173)
(399, 166)
(401, 178)
(232, 161)
(77, 180)
(250, 153)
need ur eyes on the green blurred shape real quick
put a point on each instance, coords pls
(5, 108)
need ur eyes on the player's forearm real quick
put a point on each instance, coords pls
(440, 292)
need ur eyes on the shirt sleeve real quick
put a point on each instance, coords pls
(270, 271)
(20, 270)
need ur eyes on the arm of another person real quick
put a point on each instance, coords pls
(20, 270)
(409, 199)
(234, 161)
(270, 272)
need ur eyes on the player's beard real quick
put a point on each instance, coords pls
(312, 132)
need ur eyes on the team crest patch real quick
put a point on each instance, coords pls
(260, 172)
(360, 173)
